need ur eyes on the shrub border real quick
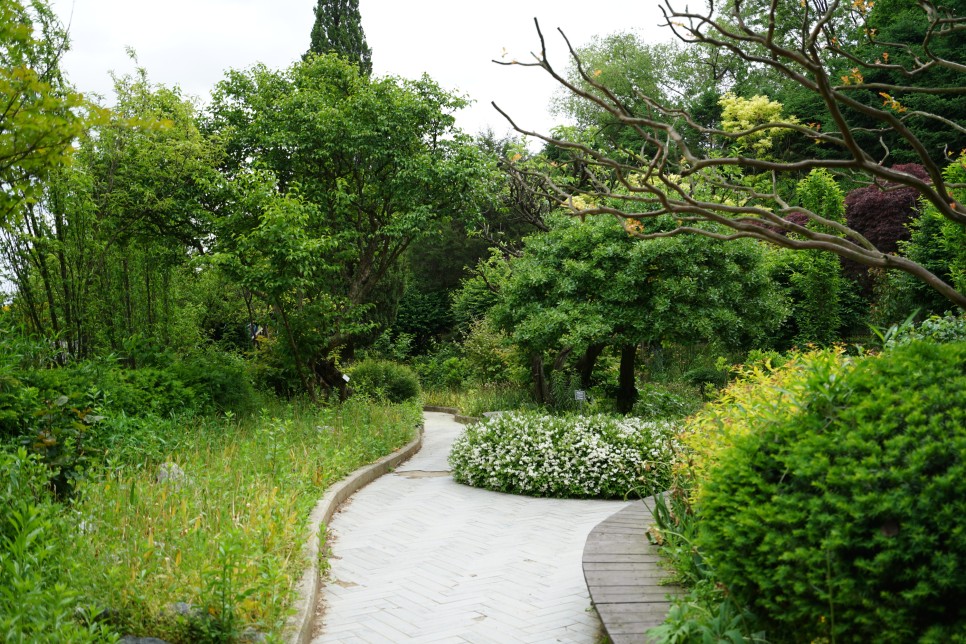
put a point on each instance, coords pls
(298, 628)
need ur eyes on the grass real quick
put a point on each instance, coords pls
(476, 400)
(225, 540)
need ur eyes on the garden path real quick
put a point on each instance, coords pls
(417, 557)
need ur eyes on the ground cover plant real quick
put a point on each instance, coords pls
(564, 456)
(198, 536)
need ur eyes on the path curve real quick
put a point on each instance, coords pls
(417, 557)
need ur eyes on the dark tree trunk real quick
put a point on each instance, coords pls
(333, 379)
(626, 387)
(561, 360)
(587, 362)
(541, 390)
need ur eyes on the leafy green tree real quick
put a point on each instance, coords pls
(632, 69)
(815, 278)
(338, 29)
(806, 44)
(583, 286)
(101, 256)
(40, 115)
(939, 245)
(364, 166)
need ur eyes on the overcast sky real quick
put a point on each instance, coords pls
(191, 43)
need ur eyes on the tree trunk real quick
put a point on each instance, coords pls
(296, 354)
(626, 386)
(541, 390)
(587, 362)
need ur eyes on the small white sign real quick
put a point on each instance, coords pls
(580, 394)
(345, 377)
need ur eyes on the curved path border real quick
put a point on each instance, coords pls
(624, 575)
(420, 558)
(299, 627)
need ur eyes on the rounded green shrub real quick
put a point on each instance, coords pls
(572, 456)
(846, 520)
(384, 380)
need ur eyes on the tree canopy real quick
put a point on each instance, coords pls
(345, 172)
(592, 284)
(749, 192)
(40, 115)
(338, 29)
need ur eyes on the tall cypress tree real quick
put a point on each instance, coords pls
(338, 28)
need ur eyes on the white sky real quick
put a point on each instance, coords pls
(190, 43)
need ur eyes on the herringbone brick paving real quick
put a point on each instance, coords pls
(419, 558)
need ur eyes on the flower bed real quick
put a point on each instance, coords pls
(565, 456)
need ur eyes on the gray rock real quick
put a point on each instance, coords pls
(171, 473)
(251, 634)
(185, 609)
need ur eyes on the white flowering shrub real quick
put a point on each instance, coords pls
(565, 456)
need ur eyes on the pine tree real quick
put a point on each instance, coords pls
(338, 28)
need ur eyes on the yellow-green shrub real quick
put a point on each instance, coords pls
(760, 392)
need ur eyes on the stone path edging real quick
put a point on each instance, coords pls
(299, 627)
(457, 416)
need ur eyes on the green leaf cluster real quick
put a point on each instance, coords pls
(591, 282)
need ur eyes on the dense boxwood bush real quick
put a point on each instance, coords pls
(564, 456)
(846, 519)
(384, 380)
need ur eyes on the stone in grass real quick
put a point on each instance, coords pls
(171, 473)
(252, 636)
(187, 610)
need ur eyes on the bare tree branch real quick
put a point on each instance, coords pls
(658, 179)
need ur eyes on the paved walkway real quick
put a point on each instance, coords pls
(419, 558)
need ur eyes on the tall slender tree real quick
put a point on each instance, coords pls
(338, 29)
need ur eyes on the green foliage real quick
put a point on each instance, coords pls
(41, 114)
(334, 176)
(225, 532)
(489, 356)
(479, 293)
(570, 456)
(941, 330)
(748, 116)
(629, 66)
(384, 380)
(935, 243)
(423, 316)
(38, 599)
(839, 520)
(815, 282)
(218, 380)
(338, 29)
(478, 400)
(443, 368)
(667, 401)
(589, 282)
